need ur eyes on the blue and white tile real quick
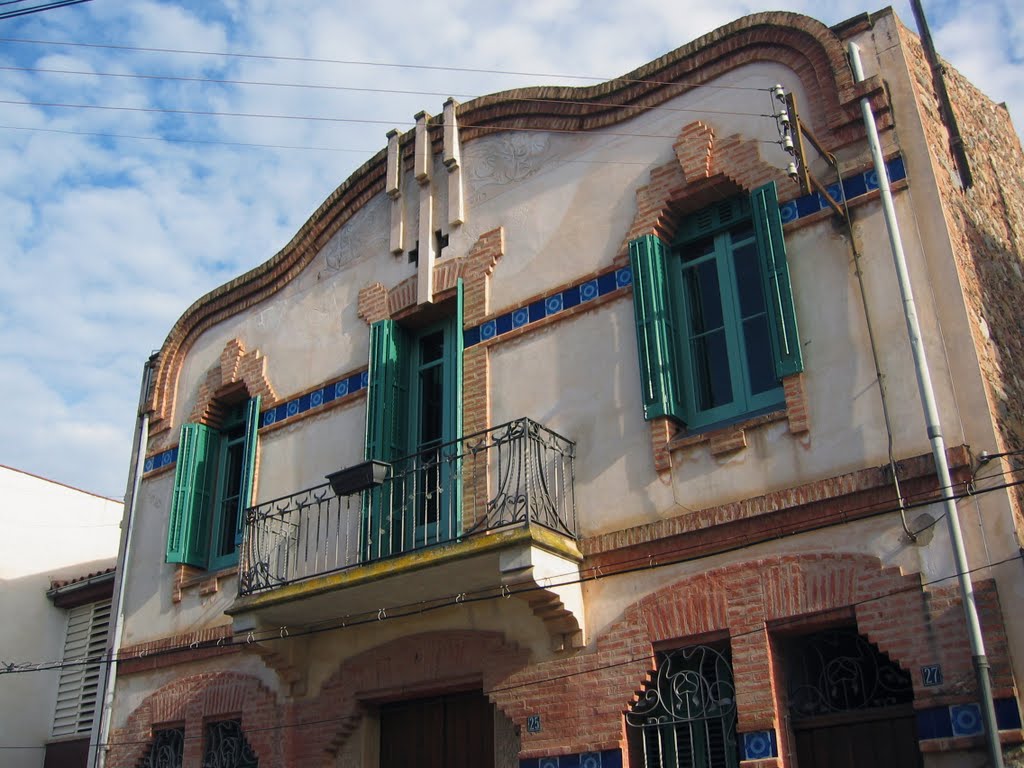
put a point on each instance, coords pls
(759, 745)
(488, 330)
(966, 719)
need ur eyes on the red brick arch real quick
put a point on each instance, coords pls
(192, 701)
(582, 699)
(417, 665)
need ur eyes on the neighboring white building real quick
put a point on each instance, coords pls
(56, 575)
(639, 490)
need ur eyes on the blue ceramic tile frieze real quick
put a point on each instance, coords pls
(964, 719)
(160, 460)
(852, 187)
(329, 392)
(334, 390)
(549, 306)
(592, 288)
(610, 758)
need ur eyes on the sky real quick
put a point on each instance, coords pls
(113, 221)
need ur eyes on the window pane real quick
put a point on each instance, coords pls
(432, 347)
(704, 297)
(431, 406)
(760, 362)
(712, 383)
(749, 283)
(235, 449)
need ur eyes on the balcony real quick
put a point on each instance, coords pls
(490, 511)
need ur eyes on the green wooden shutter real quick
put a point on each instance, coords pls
(458, 346)
(656, 333)
(387, 393)
(188, 535)
(252, 426)
(779, 292)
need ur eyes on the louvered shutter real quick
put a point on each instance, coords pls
(188, 534)
(387, 393)
(656, 331)
(779, 292)
(78, 686)
(252, 425)
(386, 406)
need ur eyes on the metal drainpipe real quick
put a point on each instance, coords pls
(101, 728)
(931, 415)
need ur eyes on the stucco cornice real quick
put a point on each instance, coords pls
(804, 45)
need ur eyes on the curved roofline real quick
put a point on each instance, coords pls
(808, 47)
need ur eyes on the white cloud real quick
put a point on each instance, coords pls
(106, 241)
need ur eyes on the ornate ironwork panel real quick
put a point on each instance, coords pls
(839, 670)
(226, 746)
(686, 713)
(515, 474)
(167, 750)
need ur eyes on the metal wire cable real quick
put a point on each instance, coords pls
(622, 567)
(356, 62)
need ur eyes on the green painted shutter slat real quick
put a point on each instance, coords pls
(656, 333)
(779, 292)
(252, 425)
(386, 394)
(459, 347)
(386, 406)
(189, 529)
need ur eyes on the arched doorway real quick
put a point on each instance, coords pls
(849, 704)
(685, 716)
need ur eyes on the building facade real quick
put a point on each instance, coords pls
(570, 431)
(57, 575)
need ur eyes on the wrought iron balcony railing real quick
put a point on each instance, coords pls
(516, 474)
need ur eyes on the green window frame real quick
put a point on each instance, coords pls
(413, 417)
(213, 482)
(715, 320)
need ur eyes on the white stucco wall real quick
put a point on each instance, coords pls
(51, 532)
(565, 203)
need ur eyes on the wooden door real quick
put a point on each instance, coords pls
(884, 737)
(453, 731)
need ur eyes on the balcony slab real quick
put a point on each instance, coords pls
(529, 562)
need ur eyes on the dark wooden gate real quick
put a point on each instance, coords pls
(884, 737)
(453, 731)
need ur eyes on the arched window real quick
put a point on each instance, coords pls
(686, 714)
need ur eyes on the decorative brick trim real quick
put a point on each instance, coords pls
(376, 302)
(238, 370)
(812, 505)
(810, 49)
(749, 601)
(207, 582)
(194, 701)
(156, 654)
(306, 404)
(704, 171)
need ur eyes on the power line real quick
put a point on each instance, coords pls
(360, 89)
(366, 121)
(363, 63)
(181, 140)
(36, 8)
(229, 81)
(594, 669)
(174, 139)
(629, 565)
